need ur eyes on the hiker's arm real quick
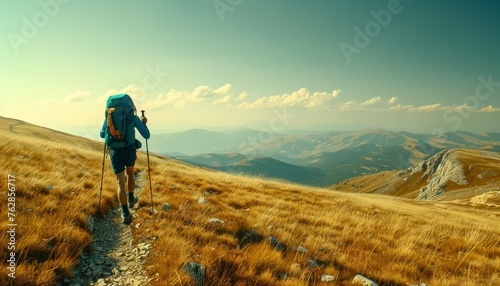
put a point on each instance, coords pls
(103, 129)
(143, 129)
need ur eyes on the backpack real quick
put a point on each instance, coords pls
(120, 116)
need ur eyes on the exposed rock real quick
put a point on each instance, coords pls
(327, 278)
(196, 271)
(165, 207)
(276, 244)
(302, 249)
(313, 263)
(439, 170)
(215, 220)
(362, 280)
(249, 237)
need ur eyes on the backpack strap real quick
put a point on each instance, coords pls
(115, 133)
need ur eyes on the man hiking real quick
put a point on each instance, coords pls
(118, 130)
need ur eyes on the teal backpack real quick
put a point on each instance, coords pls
(120, 116)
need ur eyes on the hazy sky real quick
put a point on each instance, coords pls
(398, 65)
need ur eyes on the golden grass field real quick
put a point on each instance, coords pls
(391, 240)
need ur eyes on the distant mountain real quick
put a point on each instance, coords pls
(271, 168)
(334, 156)
(213, 160)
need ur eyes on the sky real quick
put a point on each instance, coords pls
(419, 66)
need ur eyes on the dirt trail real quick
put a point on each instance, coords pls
(115, 258)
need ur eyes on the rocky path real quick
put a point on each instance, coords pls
(115, 258)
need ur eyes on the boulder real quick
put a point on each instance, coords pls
(276, 244)
(215, 221)
(165, 207)
(197, 272)
(327, 278)
(249, 237)
(362, 280)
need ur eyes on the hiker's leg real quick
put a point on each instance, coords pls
(130, 179)
(122, 196)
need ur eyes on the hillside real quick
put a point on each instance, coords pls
(245, 231)
(274, 169)
(459, 175)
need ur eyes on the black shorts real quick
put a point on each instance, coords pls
(122, 157)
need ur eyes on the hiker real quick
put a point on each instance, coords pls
(119, 134)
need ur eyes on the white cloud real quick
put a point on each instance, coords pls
(400, 107)
(200, 92)
(137, 93)
(301, 98)
(372, 101)
(459, 108)
(172, 98)
(205, 91)
(430, 107)
(222, 100)
(393, 100)
(355, 106)
(177, 99)
(350, 106)
(226, 97)
(223, 90)
(488, 108)
(76, 96)
(242, 96)
(434, 107)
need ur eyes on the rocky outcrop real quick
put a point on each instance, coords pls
(442, 168)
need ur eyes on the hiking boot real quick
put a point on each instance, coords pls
(131, 203)
(127, 219)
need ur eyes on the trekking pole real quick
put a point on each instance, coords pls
(102, 178)
(149, 172)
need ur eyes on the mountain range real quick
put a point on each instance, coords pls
(319, 159)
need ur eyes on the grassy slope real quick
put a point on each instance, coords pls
(57, 176)
(481, 169)
(393, 241)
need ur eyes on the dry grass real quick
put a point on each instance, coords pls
(392, 241)
(57, 180)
